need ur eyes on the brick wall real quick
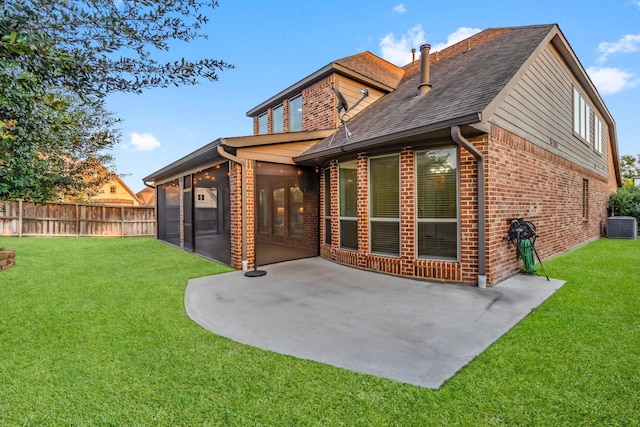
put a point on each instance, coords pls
(362, 174)
(407, 211)
(250, 178)
(524, 180)
(235, 189)
(318, 105)
(407, 264)
(469, 212)
(318, 108)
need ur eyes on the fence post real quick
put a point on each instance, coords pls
(77, 220)
(20, 218)
(122, 221)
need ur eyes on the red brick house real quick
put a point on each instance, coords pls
(418, 175)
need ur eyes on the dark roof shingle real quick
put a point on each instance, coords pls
(465, 78)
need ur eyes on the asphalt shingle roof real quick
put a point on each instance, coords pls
(373, 67)
(465, 78)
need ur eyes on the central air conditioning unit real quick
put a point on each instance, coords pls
(622, 227)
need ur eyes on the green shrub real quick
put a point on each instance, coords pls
(625, 201)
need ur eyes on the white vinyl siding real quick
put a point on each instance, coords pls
(539, 108)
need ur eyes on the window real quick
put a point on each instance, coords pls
(263, 124)
(384, 204)
(112, 189)
(585, 198)
(296, 210)
(581, 114)
(437, 203)
(295, 114)
(278, 119)
(278, 211)
(264, 217)
(597, 134)
(327, 206)
(348, 205)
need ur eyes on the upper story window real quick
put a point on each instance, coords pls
(597, 137)
(581, 115)
(112, 189)
(277, 116)
(263, 124)
(295, 114)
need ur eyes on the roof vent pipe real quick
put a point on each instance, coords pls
(413, 55)
(425, 85)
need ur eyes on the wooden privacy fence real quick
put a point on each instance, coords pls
(20, 218)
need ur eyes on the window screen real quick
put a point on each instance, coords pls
(348, 205)
(437, 203)
(295, 114)
(384, 204)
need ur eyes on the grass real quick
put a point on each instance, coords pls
(93, 332)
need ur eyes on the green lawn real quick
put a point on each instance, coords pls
(93, 332)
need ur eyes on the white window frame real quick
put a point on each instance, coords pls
(581, 116)
(597, 130)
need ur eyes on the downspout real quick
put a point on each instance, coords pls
(243, 178)
(482, 232)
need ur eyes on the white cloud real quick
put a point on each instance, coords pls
(402, 9)
(627, 44)
(612, 80)
(637, 3)
(457, 36)
(144, 141)
(399, 51)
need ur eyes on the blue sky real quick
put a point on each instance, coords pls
(275, 43)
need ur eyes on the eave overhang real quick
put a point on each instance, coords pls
(438, 130)
(208, 156)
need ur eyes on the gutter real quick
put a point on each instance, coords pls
(243, 171)
(482, 232)
(386, 139)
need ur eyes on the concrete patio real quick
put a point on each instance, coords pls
(406, 330)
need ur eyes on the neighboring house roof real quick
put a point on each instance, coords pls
(147, 196)
(364, 67)
(468, 81)
(128, 197)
